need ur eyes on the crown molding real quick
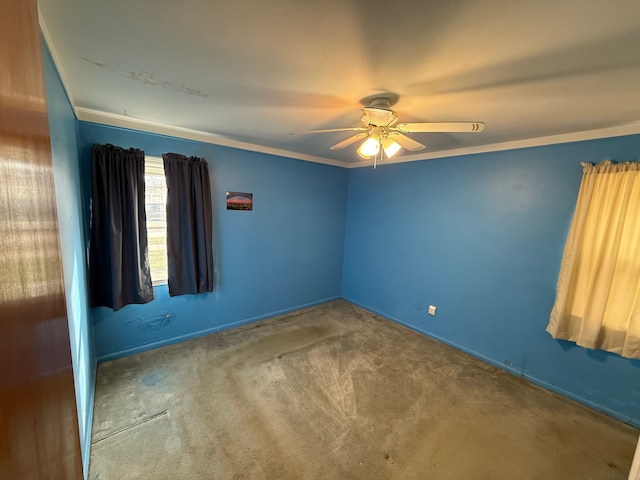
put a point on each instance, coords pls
(117, 120)
(122, 121)
(617, 131)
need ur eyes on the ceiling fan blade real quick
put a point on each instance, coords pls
(440, 127)
(349, 141)
(406, 142)
(347, 129)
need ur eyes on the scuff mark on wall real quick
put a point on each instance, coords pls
(156, 322)
(147, 78)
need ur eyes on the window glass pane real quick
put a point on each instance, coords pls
(155, 204)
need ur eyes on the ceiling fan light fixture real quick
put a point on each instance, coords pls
(382, 136)
(390, 146)
(370, 147)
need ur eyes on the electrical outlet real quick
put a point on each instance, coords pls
(432, 310)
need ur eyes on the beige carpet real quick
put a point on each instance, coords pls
(335, 392)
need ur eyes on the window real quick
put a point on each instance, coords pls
(155, 205)
(598, 294)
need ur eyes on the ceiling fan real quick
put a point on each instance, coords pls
(382, 134)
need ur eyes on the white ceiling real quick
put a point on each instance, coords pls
(248, 72)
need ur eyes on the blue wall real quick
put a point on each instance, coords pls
(63, 128)
(481, 237)
(284, 255)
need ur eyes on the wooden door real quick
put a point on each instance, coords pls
(38, 423)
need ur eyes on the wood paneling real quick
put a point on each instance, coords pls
(38, 422)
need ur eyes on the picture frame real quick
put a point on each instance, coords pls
(239, 201)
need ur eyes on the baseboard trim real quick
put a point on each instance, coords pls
(219, 328)
(514, 371)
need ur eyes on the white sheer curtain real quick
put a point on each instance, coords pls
(634, 474)
(598, 294)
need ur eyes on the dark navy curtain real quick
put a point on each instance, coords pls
(119, 271)
(189, 224)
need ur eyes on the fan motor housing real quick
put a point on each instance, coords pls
(379, 114)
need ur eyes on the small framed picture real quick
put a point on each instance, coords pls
(239, 201)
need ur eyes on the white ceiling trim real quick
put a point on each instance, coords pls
(122, 121)
(619, 131)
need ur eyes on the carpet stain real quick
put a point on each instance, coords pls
(153, 378)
